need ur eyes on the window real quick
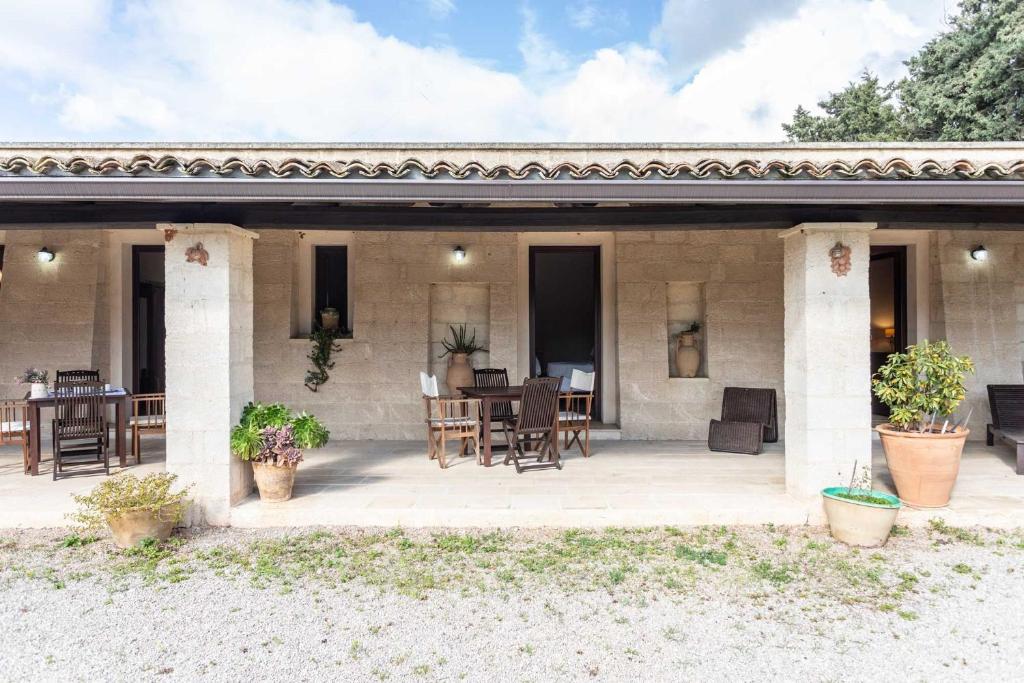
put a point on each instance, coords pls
(330, 282)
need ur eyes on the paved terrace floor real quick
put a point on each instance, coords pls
(624, 483)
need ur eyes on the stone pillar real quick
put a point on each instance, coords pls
(827, 356)
(209, 322)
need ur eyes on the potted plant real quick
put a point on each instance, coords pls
(271, 437)
(687, 352)
(133, 508)
(38, 379)
(923, 387)
(859, 515)
(459, 349)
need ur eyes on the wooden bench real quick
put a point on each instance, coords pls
(1006, 402)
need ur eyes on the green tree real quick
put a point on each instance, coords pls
(968, 83)
(965, 84)
(863, 112)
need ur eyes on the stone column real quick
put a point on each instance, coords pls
(209, 322)
(827, 356)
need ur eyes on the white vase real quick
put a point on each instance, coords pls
(38, 390)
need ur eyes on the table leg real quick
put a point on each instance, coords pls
(487, 430)
(119, 418)
(35, 437)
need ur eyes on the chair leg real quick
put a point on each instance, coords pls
(989, 437)
(476, 445)
(1020, 458)
(442, 451)
(430, 443)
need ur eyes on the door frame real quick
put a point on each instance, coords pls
(138, 249)
(595, 250)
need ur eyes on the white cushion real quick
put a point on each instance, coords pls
(454, 421)
(582, 381)
(10, 427)
(149, 420)
(428, 384)
(571, 416)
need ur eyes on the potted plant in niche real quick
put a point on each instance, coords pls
(133, 508)
(687, 351)
(923, 387)
(272, 438)
(859, 515)
(459, 350)
(38, 379)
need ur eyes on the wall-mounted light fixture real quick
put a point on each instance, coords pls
(979, 253)
(459, 254)
(45, 255)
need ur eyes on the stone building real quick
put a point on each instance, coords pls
(734, 237)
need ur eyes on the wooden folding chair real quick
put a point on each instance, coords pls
(574, 411)
(449, 418)
(500, 410)
(149, 414)
(536, 423)
(14, 427)
(80, 425)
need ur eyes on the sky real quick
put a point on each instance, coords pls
(439, 70)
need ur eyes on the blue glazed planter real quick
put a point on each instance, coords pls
(859, 523)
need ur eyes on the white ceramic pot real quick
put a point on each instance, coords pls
(38, 390)
(859, 523)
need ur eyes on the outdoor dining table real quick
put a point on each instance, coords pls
(487, 396)
(116, 397)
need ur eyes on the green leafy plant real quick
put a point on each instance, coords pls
(124, 493)
(33, 376)
(925, 380)
(461, 342)
(251, 438)
(325, 344)
(693, 328)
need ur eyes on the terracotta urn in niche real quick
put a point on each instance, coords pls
(687, 355)
(330, 318)
(460, 372)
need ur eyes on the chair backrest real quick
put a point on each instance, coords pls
(744, 404)
(582, 381)
(490, 377)
(79, 409)
(428, 384)
(65, 376)
(149, 410)
(13, 422)
(1006, 402)
(538, 405)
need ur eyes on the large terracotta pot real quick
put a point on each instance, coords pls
(129, 528)
(274, 483)
(460, 373)
(924, 466)
(857, 522)
(687, 355)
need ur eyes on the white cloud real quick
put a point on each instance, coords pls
(440, 8)
(309, 70)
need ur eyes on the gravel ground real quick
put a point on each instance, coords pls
(657, 604)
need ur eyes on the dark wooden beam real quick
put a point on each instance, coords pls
(14, 215)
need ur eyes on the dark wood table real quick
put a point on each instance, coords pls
(118, 398)
(487, 396)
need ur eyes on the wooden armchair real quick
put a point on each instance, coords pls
(149, 414)
(574, 410)
(449, 418)
(14, 427)
(536, 424)
(80, 425)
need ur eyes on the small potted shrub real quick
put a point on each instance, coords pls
(38, 381)
(859, 515)
(133, 508)
(459, 349)
(923, 387)
(272, 438)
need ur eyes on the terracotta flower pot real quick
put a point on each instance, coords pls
(274, 483)
(687, 355)
(129, 528)
(924, 466)
(460, 373)
(859, 523)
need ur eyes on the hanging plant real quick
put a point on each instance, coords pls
(325, 343)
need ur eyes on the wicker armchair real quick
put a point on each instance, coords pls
(1006, 402)
(14, 427)
(449, 418)
(749, 419)
(574, 410)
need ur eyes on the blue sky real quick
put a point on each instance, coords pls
(433, 70)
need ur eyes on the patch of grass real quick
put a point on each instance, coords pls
(900, 530)
(940, 526)
(907, 615)
(78, 541)
(779, 574)
(961, 568)
(703, 556)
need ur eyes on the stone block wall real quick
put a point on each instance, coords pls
(741, 272)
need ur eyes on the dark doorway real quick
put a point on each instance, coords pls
(888, 287)
(565, 313)
(148, 320)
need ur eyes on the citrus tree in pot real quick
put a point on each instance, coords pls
(272, 438)
(133, 508)
(923, 387)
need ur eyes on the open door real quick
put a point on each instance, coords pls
(565, 313)
(148, 374)
(887, 275)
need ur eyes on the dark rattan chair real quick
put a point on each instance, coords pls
(80, 426)
(741, 408)
(536, 424)
(1006, 401)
